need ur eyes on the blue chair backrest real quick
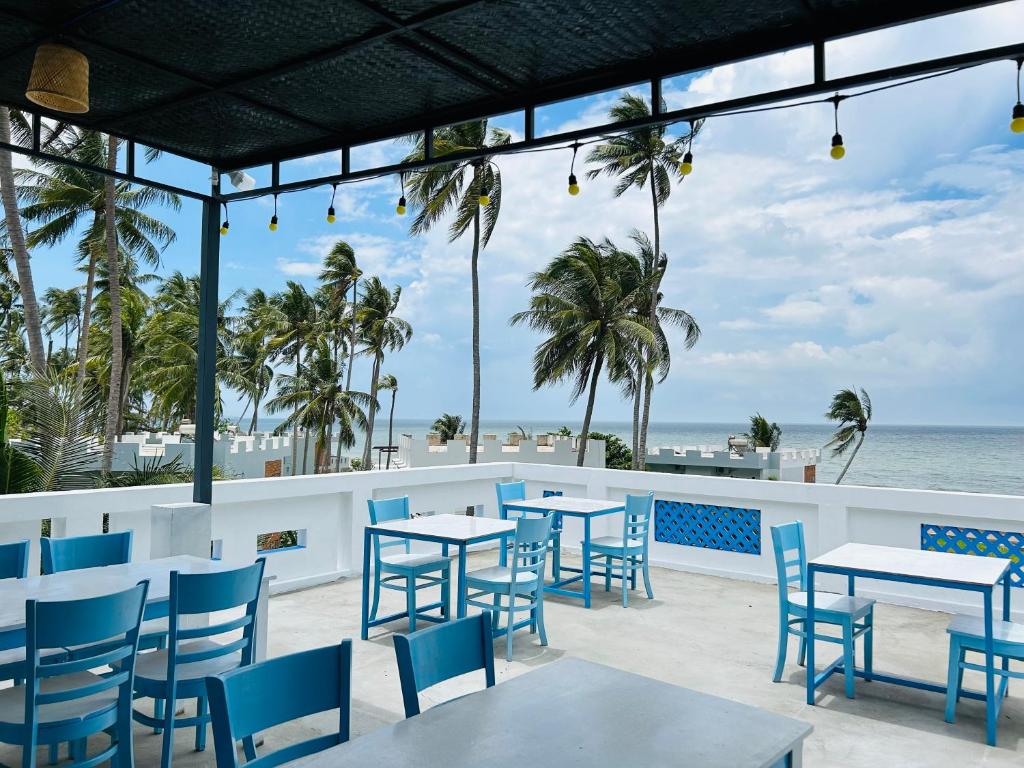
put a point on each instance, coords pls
(549, 494)
(514, 491)
(251, 699)
(14, 560)
(383, 510)
(637, 520)
(439, 653)
(790, 557)
(531, 546)
(202, 593)
(72, 553)
(104, 631)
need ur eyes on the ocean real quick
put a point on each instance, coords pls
(975, 459)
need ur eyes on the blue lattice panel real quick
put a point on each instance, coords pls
(729, 529)
(980, 543)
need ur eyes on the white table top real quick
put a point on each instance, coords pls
(568, 505)
(93, 582)
(448, 528)
(917, 563)
(576, 714)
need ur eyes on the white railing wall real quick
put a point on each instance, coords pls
(330, 511)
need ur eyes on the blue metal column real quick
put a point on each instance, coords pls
(209, 268)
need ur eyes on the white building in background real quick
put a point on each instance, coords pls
(795, 465)
(544, 449)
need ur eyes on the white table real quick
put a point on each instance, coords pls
(914, 566)
(568, 506)
(93, 582)
(577, 714)
(447, 530)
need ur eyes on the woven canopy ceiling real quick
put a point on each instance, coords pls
(236, 83)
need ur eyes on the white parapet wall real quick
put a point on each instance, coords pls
(418, 452)
(330, 512)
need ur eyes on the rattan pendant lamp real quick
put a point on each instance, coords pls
(59, 79)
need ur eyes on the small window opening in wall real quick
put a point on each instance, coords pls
(216, 549)
(270, 542)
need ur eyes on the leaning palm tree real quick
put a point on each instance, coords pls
(448, 425)
(380, 331)
(763, 434)
(389, 383)
(853, 412)
(340, 273)
(637, 158)
(462, 188)
(585, 300)
(63, 311)
(249, 370)
(297, 311)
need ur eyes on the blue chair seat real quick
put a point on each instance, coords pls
(421, 562)
(828, 605)
(12, 701)
(971, 631)
(151, 667)
(612, 545)
(499, 575)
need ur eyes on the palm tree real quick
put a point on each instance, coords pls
(114, 280)
(380, 331)
(853, 413)
(297, 322)
(62, 198)
(63, 310)
(462, 188)
(585, 300)
(338, 275)
(389, 382)
(762, 434)
(639, 157)
(448, 425)
(250, 371)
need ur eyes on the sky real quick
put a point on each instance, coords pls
(899, 269)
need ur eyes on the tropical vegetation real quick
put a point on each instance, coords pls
(763, 434)
(853, 412)
(448, 425)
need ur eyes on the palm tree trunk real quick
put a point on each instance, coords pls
(255, 413)
(114, 289)
(83, 333)
(474, 427)
(637, 396)
(371, 411)
(591, 397)
(644, 421)
(16, 237)
(65, 337)
(352, 338)
(126, 380)
(849, 461)
(391, 425)
(295, 414)
(648, 383)
(305, 450)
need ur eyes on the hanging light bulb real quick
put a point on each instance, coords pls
(686, 167)
(574, 187)
(227, 224)
(273, 219)
(330, 209)
(400, 208)
(1017, 123)
(838, 151)
(485, 194)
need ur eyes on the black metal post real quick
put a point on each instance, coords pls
(209, 268)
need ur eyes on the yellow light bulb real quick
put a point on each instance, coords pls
(686, 167)
(400, 210)
(485, 200)
(331, 218)
(1017, 124)
(273, 224)
(574, 189)
(838, 152)
(224, 229)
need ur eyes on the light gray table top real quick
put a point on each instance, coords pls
(457, 529)
(568, 505)
(576, 713)
(92, 582)
(916, 563)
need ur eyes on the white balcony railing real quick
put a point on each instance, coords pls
(329, 512)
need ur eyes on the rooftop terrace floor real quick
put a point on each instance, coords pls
(711, 634)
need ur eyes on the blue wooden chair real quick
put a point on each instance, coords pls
(516, 491)
(523, 581)
(620, 557)
(251, 699)
(13, 565)
(61, 699)
(829, 608)
(75, 552)
(967, 633)
(436, 654)
(405, 571)
(191, 656)
(14, 560)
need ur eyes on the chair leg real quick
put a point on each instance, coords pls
(54, 753)
(168, 740)
(496, 612)
(625, 580)
(954, 678)
(607, 573)
(647, 579)
(201, 728)
(869, 646)
(556, 555)
(510, 625)
(780, 655)
(633, 564)
(540, 617)
(446, 593)
(801, 657)
(410, 602)
(376, 595)
(849, 657)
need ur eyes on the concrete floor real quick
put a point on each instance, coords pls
(710, 634)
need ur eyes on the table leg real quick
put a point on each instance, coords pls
(586, 561)
(365, 627)
(1006, 617)
(446, 588)
(556, 556)
(809, 635)
(503, 554)
(990, 677)
(461, 611)
(262, 617)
